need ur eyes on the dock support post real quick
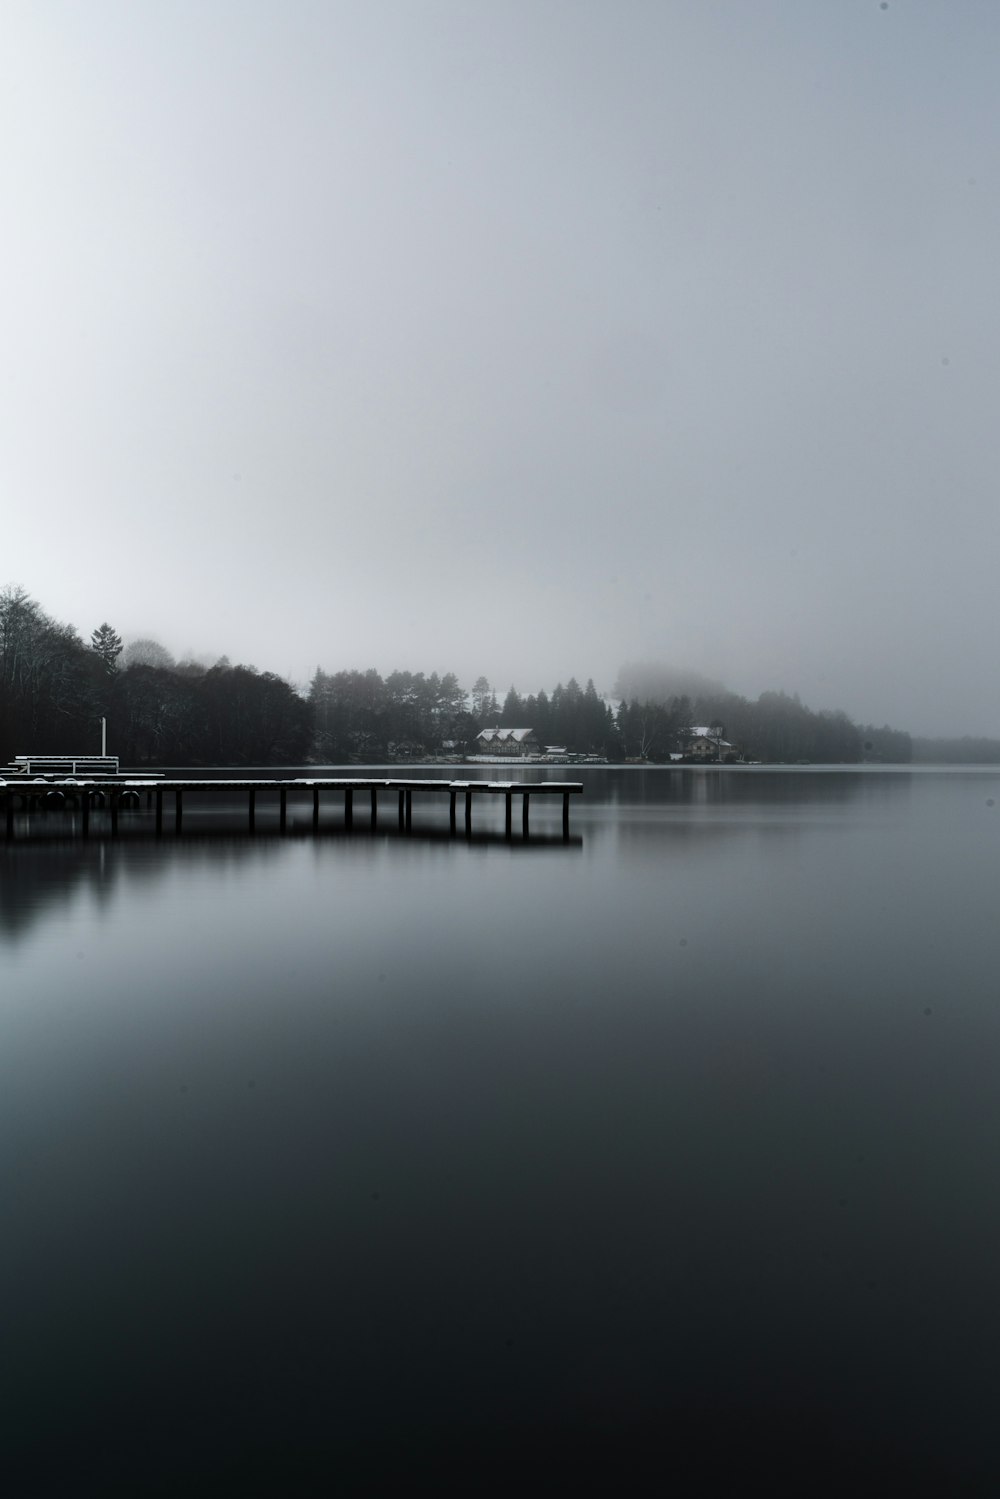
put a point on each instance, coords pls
(565, 814)
(525, 797)
(402, 808)
(508, 798)
(159, 811)
(252, 808)
(468, 813)
(409, 808)
(315, 808)
(85, 813)
(283, 808)
(374, 807)
(178, 810)
(114, 814)
(9, 803)
(451, 809)
(349, 807)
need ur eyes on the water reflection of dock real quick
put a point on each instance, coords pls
(108, 798)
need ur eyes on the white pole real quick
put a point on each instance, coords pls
(104, 736)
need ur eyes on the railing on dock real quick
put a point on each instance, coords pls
(88, 794)
(63, 765)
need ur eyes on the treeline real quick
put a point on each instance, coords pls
(360, 716)
(225, 715)
(776, 727)
(54, 690)
(969, 750)
(50, 683)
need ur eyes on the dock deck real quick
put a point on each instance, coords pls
(132, 792)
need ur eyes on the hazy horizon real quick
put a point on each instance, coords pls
(522, 340)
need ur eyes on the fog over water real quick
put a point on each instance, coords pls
(334, 333)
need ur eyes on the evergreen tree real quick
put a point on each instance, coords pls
(512, 713)
(108, 645)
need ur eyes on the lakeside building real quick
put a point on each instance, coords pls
(507, 742)
(707, 743)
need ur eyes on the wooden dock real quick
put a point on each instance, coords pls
(112, 795)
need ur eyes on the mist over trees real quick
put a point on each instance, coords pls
(658, 682)
(55, 688)
(887, 746)
(145, 652)
(968, 750)
(658, 702)
(776, 727)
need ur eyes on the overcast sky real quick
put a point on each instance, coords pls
(512, 338)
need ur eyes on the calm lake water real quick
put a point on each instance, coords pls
(328, 1159)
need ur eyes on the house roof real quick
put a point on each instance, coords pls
(705, 731)
(504, 736)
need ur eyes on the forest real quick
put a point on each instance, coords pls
(55, 688)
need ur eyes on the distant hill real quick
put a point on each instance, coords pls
(654, 682)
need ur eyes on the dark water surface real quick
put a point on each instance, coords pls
(352, 1159)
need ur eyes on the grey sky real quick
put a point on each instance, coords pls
(515, 338)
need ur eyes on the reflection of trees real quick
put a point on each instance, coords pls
(696, 802)
(738, 785)
(40, 878)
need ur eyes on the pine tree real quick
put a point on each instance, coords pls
(108, 645)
